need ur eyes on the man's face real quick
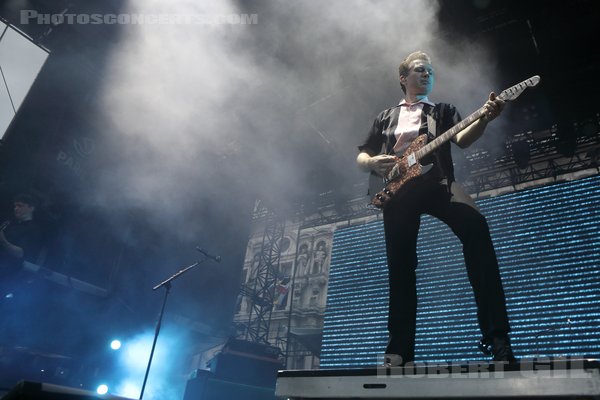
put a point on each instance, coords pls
(420, 78)
(23, 211)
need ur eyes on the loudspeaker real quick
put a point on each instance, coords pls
(248, 363)
(205, 386)
(26, 390)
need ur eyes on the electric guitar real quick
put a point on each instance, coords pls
(408, 167)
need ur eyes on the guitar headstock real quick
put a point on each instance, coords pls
(515, 91)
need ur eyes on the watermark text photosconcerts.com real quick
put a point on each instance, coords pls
(33, 17)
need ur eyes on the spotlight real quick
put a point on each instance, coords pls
(102, 389)
(115, 344)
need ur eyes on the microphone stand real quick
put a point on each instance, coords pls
(167, 285)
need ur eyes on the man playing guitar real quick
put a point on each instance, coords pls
(436, 193)
(20, 238)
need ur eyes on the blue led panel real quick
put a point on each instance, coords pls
(548, 246)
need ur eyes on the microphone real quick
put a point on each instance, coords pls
(215, 258)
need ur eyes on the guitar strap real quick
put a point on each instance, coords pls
(431, 124)
(434, 115)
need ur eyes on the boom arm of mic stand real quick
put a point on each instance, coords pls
(167, 284)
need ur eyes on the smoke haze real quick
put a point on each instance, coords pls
(275, 108)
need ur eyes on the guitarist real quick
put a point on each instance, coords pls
(437, 194)
(20, 237)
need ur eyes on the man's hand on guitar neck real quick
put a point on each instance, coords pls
(492, 108)
(380, 164)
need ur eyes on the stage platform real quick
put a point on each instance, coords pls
(550, 378)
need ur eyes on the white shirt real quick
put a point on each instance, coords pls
(409, 123)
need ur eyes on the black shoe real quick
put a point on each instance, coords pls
(499, 348)
(393, 360)
(399, 351)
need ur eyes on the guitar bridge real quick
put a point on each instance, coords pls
(411, 159)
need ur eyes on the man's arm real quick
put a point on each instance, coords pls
(380, 164)
(11, 249)
(471, 133)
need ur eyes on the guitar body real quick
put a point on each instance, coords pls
(404, 170)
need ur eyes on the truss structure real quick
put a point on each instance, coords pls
(260, 292)
(547, 159)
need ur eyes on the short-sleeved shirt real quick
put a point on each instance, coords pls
(382, 136)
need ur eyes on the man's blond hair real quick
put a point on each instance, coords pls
(404, 67)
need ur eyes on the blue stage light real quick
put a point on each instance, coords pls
(102, 389)
(115, 344)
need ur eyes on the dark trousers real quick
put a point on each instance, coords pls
(401, 223)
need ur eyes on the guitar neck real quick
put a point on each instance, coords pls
(449, 134)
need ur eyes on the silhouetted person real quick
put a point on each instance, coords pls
(22, 300)
(20, 237)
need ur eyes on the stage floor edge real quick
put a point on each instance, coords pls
(556, 378)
